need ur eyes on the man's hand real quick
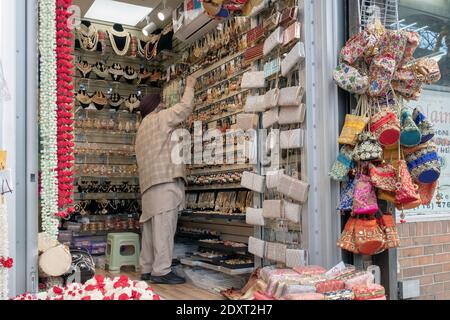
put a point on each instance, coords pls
(191, 82)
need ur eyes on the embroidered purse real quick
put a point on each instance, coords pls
(294, 57)
(253, 182)
(410, 135)
(364, 199)
(291, 139)
(295, 258)
(386, 126)
(354, 124)
(289, 15)
(369, 238)
(273, 41)
(272, 22)
(271, 98)
(273, 179)
(293, 188)
(254, 217)
(253, 80)
(254, 53)
(427, 70)
(292, 33)
(254, 104)
(386, 196)
(367, 148)
(272, 209)
(407, 190)
(383, 177)
(343, 164)
(291, 96)
(424, 164)
(276, 252)
(347, 193)
(369, 292)
(427, 192)
(350, 79)
(254, 35)
(292, 114)
(256, 247)
(412, 43)
(425, 126)
(348, 237)
(291, 211)
(272, 67)
(247, 121)
(392, 239)
(270, 118)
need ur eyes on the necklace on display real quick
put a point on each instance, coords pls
(88, 37)
(119, 34)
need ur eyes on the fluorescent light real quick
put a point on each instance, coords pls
(150, 28)
(164, 14)
(117, 12)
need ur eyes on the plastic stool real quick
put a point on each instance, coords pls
(115, 258)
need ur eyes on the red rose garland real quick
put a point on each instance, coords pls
(65, 100)
(6, 263)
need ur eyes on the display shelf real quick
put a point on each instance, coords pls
(103, 132)
(105, 178)
(204, 106)
(103, 196)
(217, 118)
(223, 169)
(217, 64)
(228, 271)
(222, 247)
(102, 233)
(237, 74)
(212, 215)
(230, 186)
(106, 114)
(195, 236)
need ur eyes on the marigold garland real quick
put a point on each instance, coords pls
(48, 118)
(65, 72)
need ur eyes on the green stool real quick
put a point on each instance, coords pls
(123, 249)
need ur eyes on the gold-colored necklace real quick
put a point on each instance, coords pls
(88, 37)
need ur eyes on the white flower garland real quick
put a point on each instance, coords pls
(48, 117)
(4, 249)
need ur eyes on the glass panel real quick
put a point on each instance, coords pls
(431, 19)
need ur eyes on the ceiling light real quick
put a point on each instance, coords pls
(149, 29)
(164, 14)
(117, 12)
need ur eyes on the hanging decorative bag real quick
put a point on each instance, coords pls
(347, 241)
(254, 53)
(256, 247)
(273, 178)
(427, 192)
(343, 164)
(406, 189)
(253, 182)
(272, 209)
(427, 70)
(291, 139)
(273, 41)
(254, 35)
(369, 238)
(289, 15)
(291, 211)
(367, 148)
(291, 96)
(410, 135)
(294, 57)
(272, 67)
(383, 177)
(254, 217)
(386, 196)
(381, 73)
(424, 164)
(276, 252)
(272, 21)
(425, 126)
(391, 237)
(292, 33)
(413, 41)
(253, 80)
(350, 79)
(365, 198)
(386, 126)
(355, 123)
(271, 98)
(292, 114)
(254, 104)
(347, 193)
(247, 121)
(270, 118)
(293, 188)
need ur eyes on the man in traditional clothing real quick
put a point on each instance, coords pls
(162, 183)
